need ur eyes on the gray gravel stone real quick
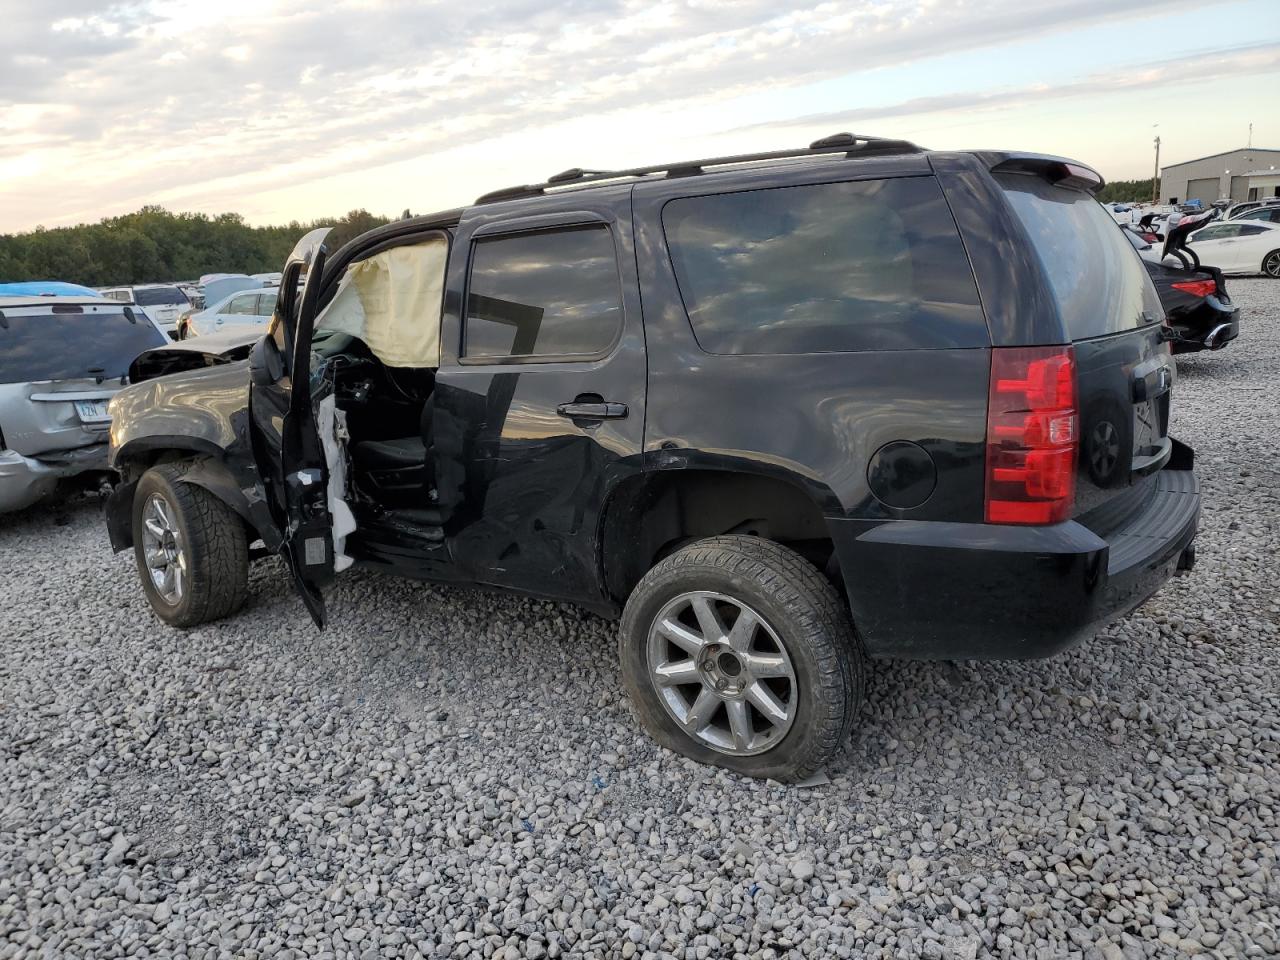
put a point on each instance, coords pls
(449, 773)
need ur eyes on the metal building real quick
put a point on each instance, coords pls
(1220, 176)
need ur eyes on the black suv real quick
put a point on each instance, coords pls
(780, 412)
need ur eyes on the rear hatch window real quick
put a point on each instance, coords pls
(1097, 278)
(160, 297)
(67, 342)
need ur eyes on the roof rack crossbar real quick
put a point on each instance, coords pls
(852, 145)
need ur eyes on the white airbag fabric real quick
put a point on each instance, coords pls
(392, 302)
(332, 426)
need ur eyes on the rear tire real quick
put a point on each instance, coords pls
(191, 549)
(1271, 264)
(774, 698)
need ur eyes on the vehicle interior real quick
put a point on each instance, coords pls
(378, 343)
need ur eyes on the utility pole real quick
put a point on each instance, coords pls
(1155, 177)
(1249, 145)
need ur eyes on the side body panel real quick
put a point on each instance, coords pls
(816, 420)
(520, 484)
(813, 419)
(1018, 301)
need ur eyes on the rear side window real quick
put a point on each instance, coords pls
(69, 345)
(546, 295)
(825, 268)
(1220, 232)
(160, 296)
(1097, 278)
(246, 304)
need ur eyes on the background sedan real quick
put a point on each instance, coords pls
(245, 308)
(1239, 246)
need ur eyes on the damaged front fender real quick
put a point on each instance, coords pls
(198, 419)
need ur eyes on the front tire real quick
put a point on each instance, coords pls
(736, 651)
(191, 549)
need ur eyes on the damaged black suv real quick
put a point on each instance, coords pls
(780, 412)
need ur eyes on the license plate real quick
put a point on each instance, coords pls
(93, 411)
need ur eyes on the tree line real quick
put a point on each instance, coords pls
(154, 245)
(1126, 191)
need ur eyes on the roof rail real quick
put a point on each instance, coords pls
(852, 145)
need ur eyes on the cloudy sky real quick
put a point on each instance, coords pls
(282, 109)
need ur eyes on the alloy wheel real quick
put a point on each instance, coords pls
(722, 673)
(163, 549)
(1271, 265)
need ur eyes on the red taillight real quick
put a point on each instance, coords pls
(1032, 425)
(1197, 288)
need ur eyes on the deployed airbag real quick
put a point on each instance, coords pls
(392, 302)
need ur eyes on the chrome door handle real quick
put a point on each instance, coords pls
(586, 410)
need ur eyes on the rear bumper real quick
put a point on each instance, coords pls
(24, 480)
(1211, 318)
(956, 591)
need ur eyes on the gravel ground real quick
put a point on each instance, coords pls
(450, 773)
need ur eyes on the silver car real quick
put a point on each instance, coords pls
(61, 360)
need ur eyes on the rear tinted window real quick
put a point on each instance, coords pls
(862, 265)
(1097, 277)
(159, 296)
(65, 346)
(550, 294)
(1220, 231)
(244, 304)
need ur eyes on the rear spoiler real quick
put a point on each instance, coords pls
(1059, 171)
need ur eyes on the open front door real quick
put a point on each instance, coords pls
(284, 399)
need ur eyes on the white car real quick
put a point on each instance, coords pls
(1239, 246)
(244, 308)
(1268, 214)
(164, 303)
(1236, 211)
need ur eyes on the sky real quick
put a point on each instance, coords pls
(282, 109)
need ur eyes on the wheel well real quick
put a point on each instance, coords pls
(138, 462)
(651, 516)
(203, 470)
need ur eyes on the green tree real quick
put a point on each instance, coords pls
(153, 245)
(1126, 191)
